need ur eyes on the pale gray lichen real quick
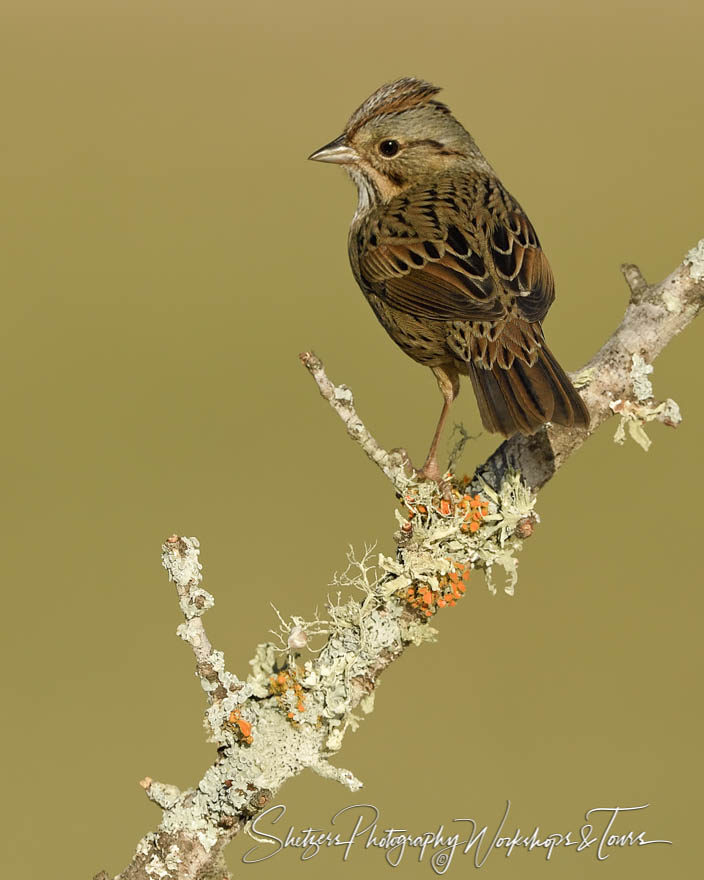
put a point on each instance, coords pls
(672, 301)
(343, 393)
(163, 794)
(635, 414)
(207, 837)
(263, 663)
(185, 570)
(217, 715)
(359, 632)
(156, 868)
(498, 542)
(146, 844)
(640, 370)
(191, 815)
(438, 540)
(695, 258)
(191, 632)
(338, 774)
(154, 865)
(182, 564)
(583, 378)
(286, 738)
(173, 858)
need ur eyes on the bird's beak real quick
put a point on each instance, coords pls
(337, 151)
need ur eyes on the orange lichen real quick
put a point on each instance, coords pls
(450, 588)
(244, 727)
(282, 685)
(473, 507)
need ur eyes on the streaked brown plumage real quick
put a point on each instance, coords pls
(450, 263)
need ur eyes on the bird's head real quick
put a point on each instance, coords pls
(398, 138)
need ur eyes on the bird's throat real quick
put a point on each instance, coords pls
(373, 188)
(367, 194)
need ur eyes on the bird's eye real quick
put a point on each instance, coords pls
(388, 148)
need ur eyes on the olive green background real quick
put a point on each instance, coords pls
(167, 252)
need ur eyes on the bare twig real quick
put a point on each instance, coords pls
(286, 718)
(340, 398)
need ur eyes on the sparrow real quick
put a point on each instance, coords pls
(450, 263)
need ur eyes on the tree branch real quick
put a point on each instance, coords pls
(612, 379)
(290, 715)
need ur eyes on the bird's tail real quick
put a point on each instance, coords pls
(522, 398)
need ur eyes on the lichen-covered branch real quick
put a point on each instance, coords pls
(612, 382)
(340, 399)
(298, 702)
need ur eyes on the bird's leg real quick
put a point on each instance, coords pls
(431, 468)
(449, 383)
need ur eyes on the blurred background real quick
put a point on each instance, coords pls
(167, 252)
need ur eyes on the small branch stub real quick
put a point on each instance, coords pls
(635, 280)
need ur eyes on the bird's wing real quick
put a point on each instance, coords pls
(432, 255)
(520, 264)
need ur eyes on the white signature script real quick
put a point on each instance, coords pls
(358, 826)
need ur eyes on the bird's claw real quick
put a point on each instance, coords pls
(430, 472)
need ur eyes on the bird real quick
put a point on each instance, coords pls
(450, 263)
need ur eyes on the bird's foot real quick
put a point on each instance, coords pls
(431, 471)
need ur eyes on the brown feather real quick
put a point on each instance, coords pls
(524, 397)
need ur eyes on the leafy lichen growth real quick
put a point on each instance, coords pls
(635, 414)
(475, 529)
(298, 702)
(319, 696)
(642, 386)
